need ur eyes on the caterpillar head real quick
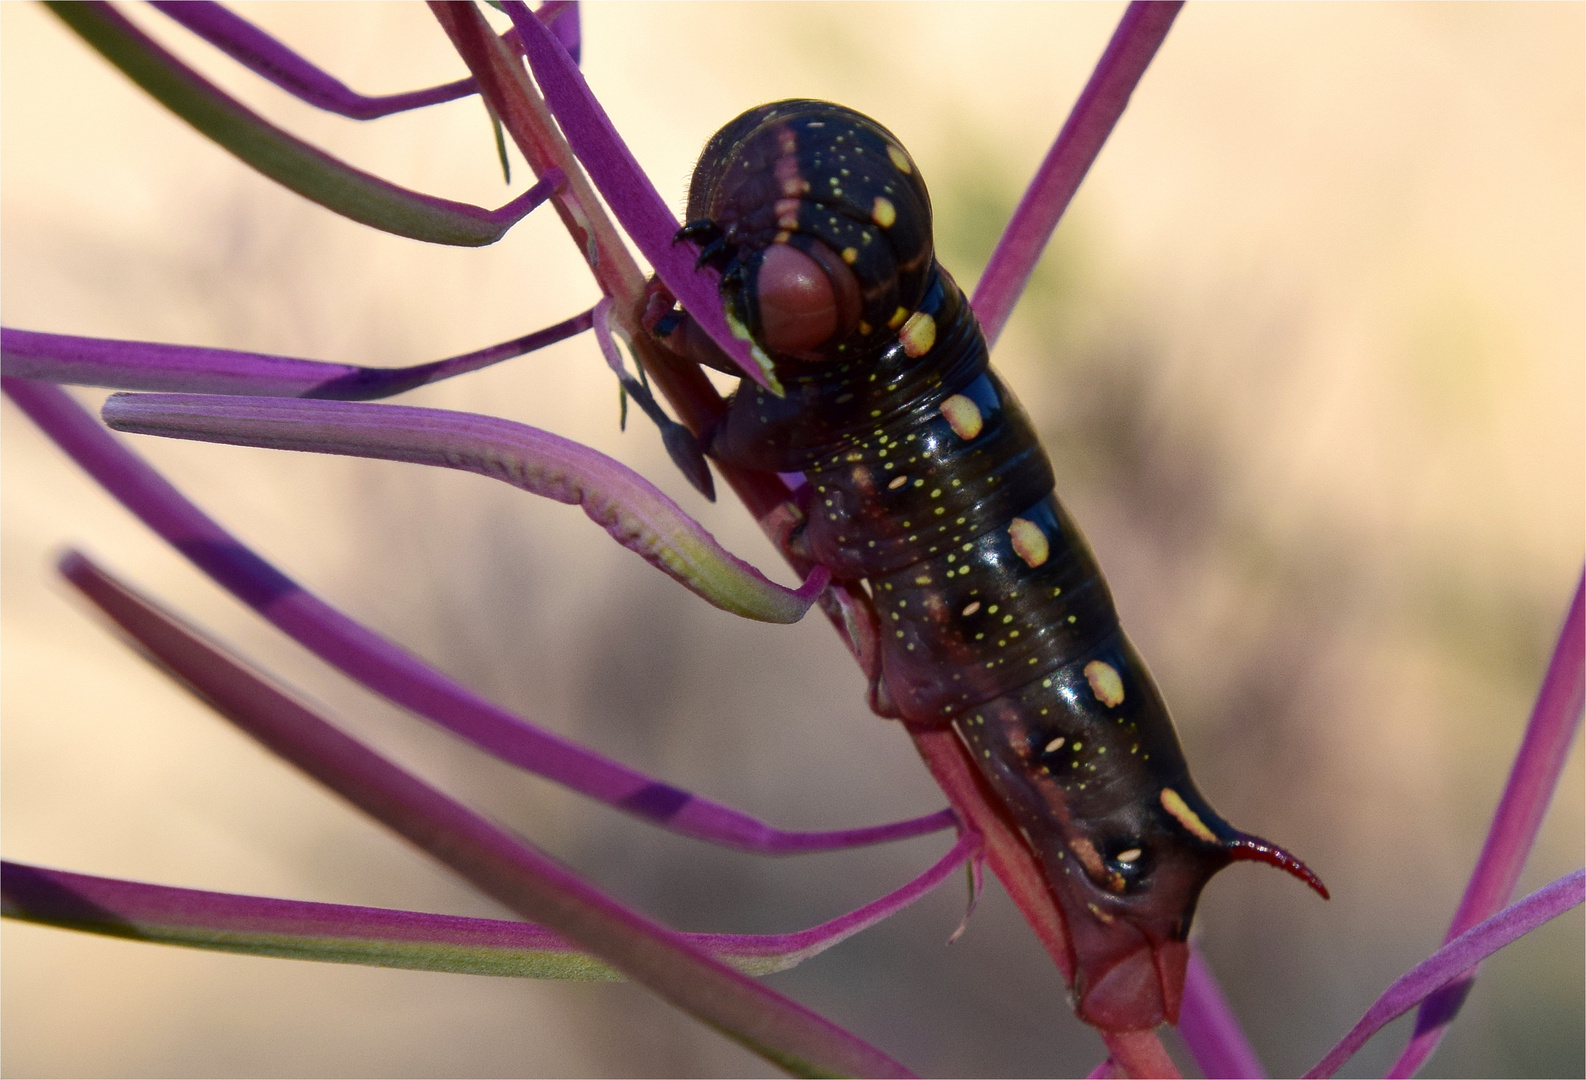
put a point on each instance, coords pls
(820, 225)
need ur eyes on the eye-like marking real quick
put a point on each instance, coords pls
(963, 416)
(1029, 543)
(883, 213)
(1174, 804)
(1105, 683)
(897, 482)
(1129, 856)
(918, 335)
(1055, 745)
(970, 608)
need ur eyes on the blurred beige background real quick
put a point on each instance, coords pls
(1307, 354)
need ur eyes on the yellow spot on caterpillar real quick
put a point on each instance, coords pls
(850, 255)
(1174, 804)
(922, 580)
(883, 213)
(1105, 683)
(970, 608)
(1055, 745)
(897, 482)
(1029, 542)
(864, 327)
(963, 416)
(1088, 856)
(898, 318)
(918, 334)
(900, 160)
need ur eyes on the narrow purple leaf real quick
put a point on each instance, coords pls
(564, 21)
(264, 55)
(1532, 780)
(1462, 953)
(636, 513)
(140, 365)
(628, 191)
(287, 160)
(393, 672)
(382, 937)
(1210, 1029)
(495, 861)
(1095, 114)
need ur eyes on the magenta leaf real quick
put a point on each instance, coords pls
(259, 52)
(1462, 953)
(393, 672)
(1210, 1029)
(288, 161)
(1533, 778)
(381, 937)
(626, 188)
(492, 859)
(140, 365)
(1092, 119)
(636, 513)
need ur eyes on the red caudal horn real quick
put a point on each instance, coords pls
(1255, 849)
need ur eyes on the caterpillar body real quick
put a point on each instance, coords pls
(927, 481)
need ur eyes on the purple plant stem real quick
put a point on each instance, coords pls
(1095, 114)
(1211, 1030)
(1532, 780)
(495, 861)
(267, 57)
(289, 161)
(139, 365)
(1462, 953)
(233, 922)
(625, 186)
(563, 20)
(394, 673)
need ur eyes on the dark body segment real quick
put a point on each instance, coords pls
(926, 480)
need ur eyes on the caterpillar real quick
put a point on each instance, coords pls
(926, 480)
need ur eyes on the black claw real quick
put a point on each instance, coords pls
(732, 277)
(714, 253)
(701, 231)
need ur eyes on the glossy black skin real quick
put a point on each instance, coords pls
(973, 633)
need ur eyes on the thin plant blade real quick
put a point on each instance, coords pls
(143, 365)
(1459, 955)
(1134, 43)
(493, 860)
(287, 160)
(381, 937)
(637, 514)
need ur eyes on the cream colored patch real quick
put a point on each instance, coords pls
(900, 159)
(918, 334)
(1104, 683)
(1174, 804)
(883, 213)
(970, 608)
(1031, 545)
(1055, 745)
(897, 482)
(963, 416)
(1130, 856)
